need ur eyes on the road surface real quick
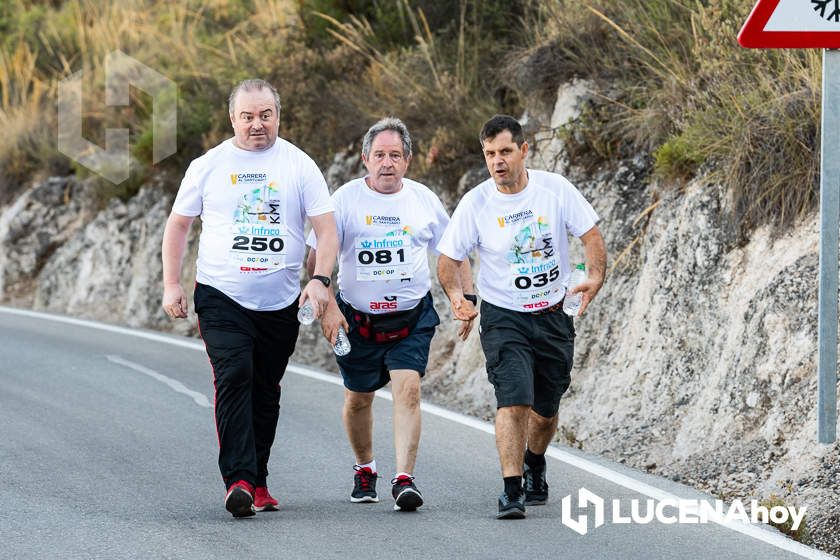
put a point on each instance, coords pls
(109, 451)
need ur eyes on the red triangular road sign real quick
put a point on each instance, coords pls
(794, 24)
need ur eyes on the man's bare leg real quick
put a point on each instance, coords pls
(511, 431)
(405, 388)
(358, 421)
(541, 431)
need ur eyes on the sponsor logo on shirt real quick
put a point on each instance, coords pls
(384, 243)
(390, 303)
(246, 178)
(514, 218)
(382, 220)
(258, 230)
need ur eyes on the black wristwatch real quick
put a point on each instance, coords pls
(471, 298)
(325, 280)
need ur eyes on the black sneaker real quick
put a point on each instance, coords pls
(364, 488)
(511, 508)
(406, 496)
(536, 488)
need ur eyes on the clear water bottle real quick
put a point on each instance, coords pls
(571, 305)
(306, 314)
(342, 343)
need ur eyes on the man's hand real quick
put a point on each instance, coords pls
(463, 310)
(589, 288)
(318, 294)
(331, 321)
(174, 301)
(595, 252)
(464, 329)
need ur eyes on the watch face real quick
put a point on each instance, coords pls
(323, 279)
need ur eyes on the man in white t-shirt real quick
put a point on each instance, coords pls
(253, 193)
(518, 221)
(386, 226)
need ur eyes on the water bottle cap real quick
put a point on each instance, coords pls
(581, 266)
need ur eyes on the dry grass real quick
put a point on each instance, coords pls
(434, 76)
(203, 45)
(670, 80)
(439, 88)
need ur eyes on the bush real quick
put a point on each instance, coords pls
(682, 90)
(337, 72)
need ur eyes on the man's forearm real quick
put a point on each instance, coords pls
(465, 276)
(172, 251)
(325, 255)
(595, 253)
(310, 262)
(450, 276)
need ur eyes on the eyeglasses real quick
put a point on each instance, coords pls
(379, 157)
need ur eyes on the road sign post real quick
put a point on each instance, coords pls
(815, 24)
(829, 228)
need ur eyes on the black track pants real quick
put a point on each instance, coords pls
(249, 351)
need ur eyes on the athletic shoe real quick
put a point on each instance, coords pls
(511, 508)
(536, 488)
(406, 496)
(239, 500)
(364, 487)
(263, 501)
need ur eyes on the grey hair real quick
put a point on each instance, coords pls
(388, 123)
(253, 84)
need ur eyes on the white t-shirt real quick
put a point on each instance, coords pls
(521, 239)
(253, 206)
(383, 240)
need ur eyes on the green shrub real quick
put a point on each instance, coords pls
(676, 85)
(427, 62)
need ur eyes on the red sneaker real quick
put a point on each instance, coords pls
(239, 500)
(263, 500)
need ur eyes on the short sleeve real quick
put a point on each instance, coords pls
(461, 235)
(314, 191)
(335, 201)
(440, 223)
(189, 201)
(579, 215)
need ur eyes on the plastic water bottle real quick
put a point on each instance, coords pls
(306, 314)
(571, 305)
(342, 343)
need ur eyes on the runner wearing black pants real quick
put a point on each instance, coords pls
(253, 193)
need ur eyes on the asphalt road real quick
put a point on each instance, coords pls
(108, 450)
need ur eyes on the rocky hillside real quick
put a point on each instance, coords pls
(697, 362)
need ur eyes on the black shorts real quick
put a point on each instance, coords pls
(529, 357)
(368, 365)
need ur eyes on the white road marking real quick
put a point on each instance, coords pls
(173, 384)
(766, 535)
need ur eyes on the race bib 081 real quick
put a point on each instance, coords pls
(383, 258)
